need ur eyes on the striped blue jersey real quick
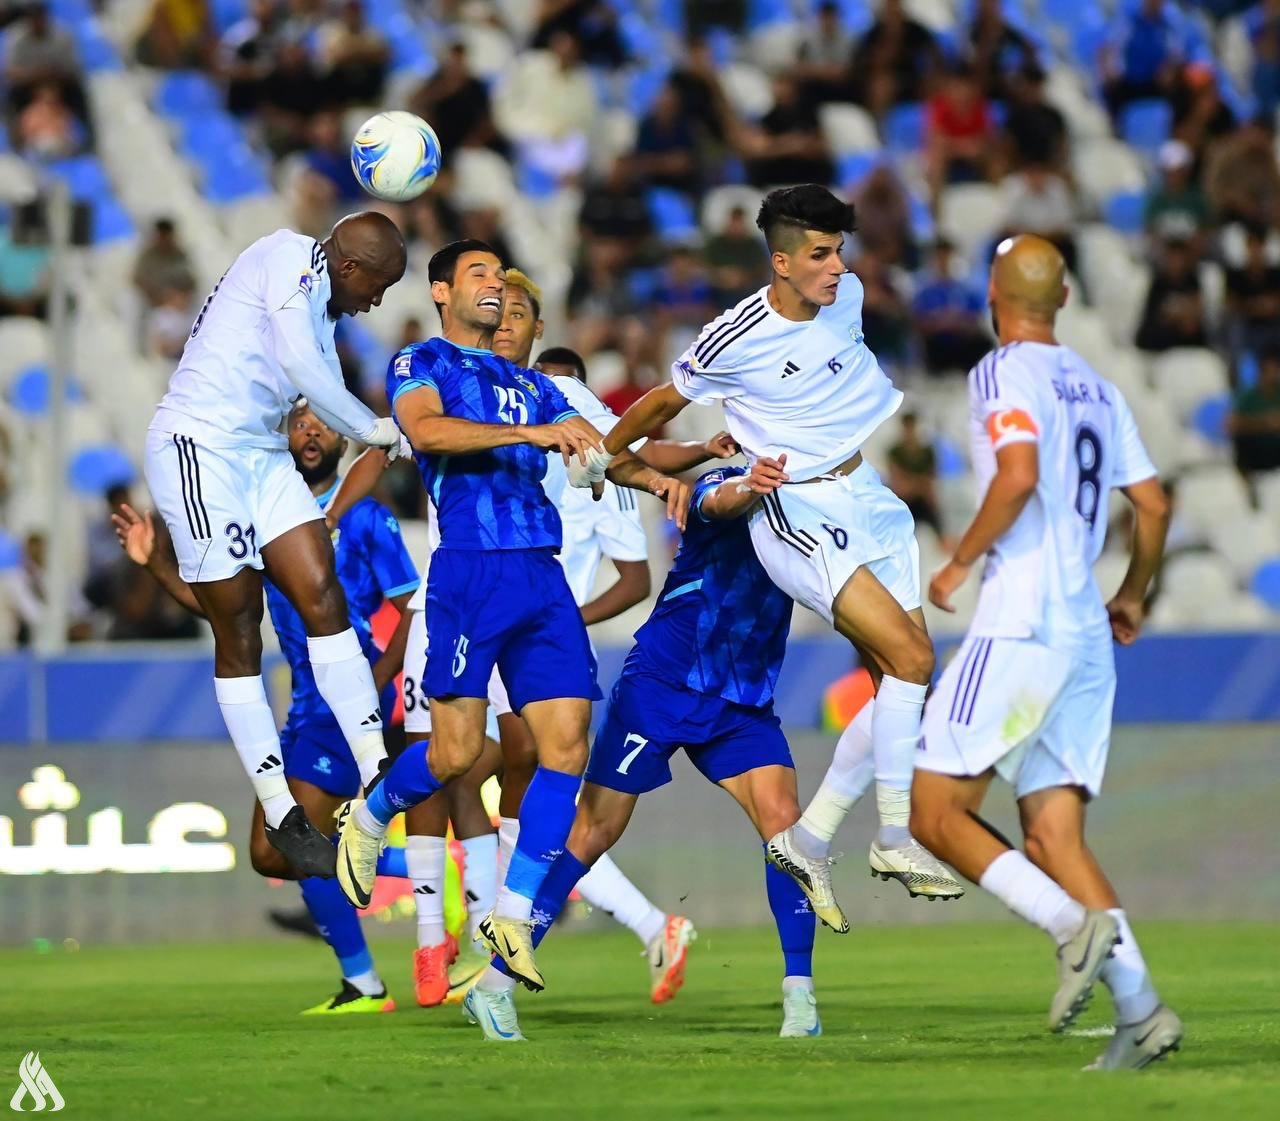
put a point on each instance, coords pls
(372, 564)
(720, 625)
(492, 499)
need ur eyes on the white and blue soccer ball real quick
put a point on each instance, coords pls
(395, 156)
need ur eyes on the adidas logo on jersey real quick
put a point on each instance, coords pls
(789, 369)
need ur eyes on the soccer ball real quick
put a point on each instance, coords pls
(395, 156)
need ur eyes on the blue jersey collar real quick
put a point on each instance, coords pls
(324, 499)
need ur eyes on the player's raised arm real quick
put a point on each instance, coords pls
(672, 457)
(137, 536)
(738, 493)
(660, 405)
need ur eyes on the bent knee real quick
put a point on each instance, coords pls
(916, 663)
(1046, 843)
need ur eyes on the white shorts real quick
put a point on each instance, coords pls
(417, 709)
(223, 505)
(812, 537)
(1040, 717)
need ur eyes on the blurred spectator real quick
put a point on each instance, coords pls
(247, 53)
(37, 50)
(1038, 200)
(141, 609)
(883, 209)
(411, 331)
(698, 85)
(1254, 422)
(457, 104)
(1253, 299)
(547, 107)
(27, 596)
(47, 129)
(167, 325)
(788, 145)
(24, 277)
(640, 368)
(162, 264)
(824, 51)
(616, 208)
(886, 315)
(894, 60)
(997, 49)
(706, 14)
(1200, 116)
(1036, 131)
(104, 558)
(959, 133)
(913, 473)
(483, 224)
(433, 222)
(1142, 58)
(177, 35)
(1242, 179)
(1174, 311)
(1262, 24)
(354, 55)
(665, 151)
(599, 295)
(684, 296)
(593, 24)
(291, 92)
(326, 182)
(1176, 208)
(736, 258)
(949, 315)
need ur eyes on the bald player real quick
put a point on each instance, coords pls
(1028, 695)
(218, 465)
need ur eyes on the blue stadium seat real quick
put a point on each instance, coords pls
(642, 284)
(84, 176)
(1124, 211)
(205, 139)
(186, 94)
(239, 174)
(534, 182)
(1266, 583)
(921, 218)
(1247, 370)
(903, 128)
(643, 85)
(1210, 418)
(856, 15)
(10, 552)
(1090, 33)
(29, 392)
(672, 214)
(951, 461)
(1070, 13)
(72, 12)
(227, 13)
(1146, 124)
(111, 222)
(96, 51)
(853, 167)
(641, 40)
(97, 467)
(761, 13)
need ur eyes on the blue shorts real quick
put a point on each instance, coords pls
(511, 608)
(649, 720)
(316, 751)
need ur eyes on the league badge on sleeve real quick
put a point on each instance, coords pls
(307, 282)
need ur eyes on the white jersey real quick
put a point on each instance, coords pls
(811, 389)
(592, 530)
(418, 602)
(230, 389)
(1038, 579)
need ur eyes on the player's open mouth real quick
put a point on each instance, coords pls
(311, 450)
(490, 303)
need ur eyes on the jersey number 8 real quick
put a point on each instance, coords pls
(1089, 463)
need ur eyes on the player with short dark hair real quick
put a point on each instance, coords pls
(373, 565)
(796, 378)
(480, 428)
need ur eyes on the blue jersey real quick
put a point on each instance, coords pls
(372, 564)
(493, 499)
(720, 625)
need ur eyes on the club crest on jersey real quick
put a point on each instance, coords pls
(527, 383)
(855, 333)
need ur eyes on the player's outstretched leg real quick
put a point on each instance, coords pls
(796, 925)
(812, 874)
(665, 938)
(362, 824)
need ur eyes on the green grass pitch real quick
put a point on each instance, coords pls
(921, 1022)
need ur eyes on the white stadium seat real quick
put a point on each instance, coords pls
(1186, 376)
(1245, 540)
(970, 214)
(1212, 495)
(747, 89)
(848, 128)
(1104, 166)
(720, 201)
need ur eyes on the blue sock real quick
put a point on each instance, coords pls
(565, 871)
(338, 923)
(392, 863)
(546, 815)
(408, 782)
(795, 920)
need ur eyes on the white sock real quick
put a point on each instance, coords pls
(1125, 973)
(605, 886)
(791, 983)
(368, 982)
(367, 822)
(846, 780)
(512, 905)
(508, 833)
(1032, 895)
(345, 681)
(252, 728)
(495, 981)
(480, 878)
(895, 734)
(424, 859)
